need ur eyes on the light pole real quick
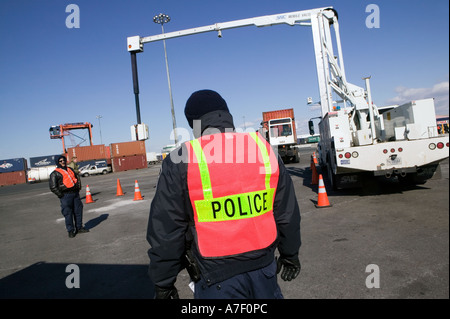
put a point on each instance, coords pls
(161, 19)
(100, 127)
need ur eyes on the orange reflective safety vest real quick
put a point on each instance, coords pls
(69, 179)
(232, 180)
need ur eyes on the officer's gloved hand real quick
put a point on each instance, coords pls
(290, 268)
(166, 293)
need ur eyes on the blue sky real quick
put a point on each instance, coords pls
(50, 74)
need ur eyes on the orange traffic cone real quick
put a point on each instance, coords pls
(323, 198)
(119, 188)
(315, 158)
(88, 195)
(315, 174)
(137, 192)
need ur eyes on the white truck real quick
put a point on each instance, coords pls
(95, 170)
(360, 141)
(357, 138)
(278, 128)
(40, 174)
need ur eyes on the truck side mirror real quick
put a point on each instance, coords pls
(311, 127)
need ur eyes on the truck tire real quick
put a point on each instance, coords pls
(420, 177)
(296, 158)
(104, 172)
(331, 175)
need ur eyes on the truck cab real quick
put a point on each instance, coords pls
(280, 132)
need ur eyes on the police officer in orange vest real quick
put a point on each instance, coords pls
(223, 205)
(66, 184)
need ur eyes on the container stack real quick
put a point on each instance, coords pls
(41, 167)
(13, 171)
(128, 155)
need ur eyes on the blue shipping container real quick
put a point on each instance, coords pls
(41, 161)
(13, 165)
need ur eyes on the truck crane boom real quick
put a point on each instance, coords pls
(330, 67)
(136, 43)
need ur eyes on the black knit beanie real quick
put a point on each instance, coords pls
(203, 102)
(57, 160)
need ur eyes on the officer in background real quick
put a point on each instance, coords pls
(224, 203)
(66, 184)
(74, 165)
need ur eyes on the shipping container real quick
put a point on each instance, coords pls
(40, 174)
(126, 163)
(278, 114)
(108, 155)
(13, 178)
(127, 149)
(107, 152)
(87, 153)
(40, 161)
(13, 165)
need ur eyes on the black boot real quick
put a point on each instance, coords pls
(83, 230)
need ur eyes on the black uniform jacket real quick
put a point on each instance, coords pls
(171, 223)
(56, 182)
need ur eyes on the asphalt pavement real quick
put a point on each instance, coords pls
(389, 243)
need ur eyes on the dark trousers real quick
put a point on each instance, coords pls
(258, 284)
(72, 210)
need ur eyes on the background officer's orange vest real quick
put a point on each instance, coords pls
(232, 180)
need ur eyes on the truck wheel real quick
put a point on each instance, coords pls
(331, 175)
(412, 179)
(331, 178)
(296, 157)
(422, 175)
(104, 172)
(85, 175)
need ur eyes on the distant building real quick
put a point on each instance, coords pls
(442, 124)
(167, 149)
(308, 139)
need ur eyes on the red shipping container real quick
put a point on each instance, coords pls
(12, 178)
(278, 114)
(108, 155)
(87, 153)
(126, 163)
(108, 151)
(127, 148)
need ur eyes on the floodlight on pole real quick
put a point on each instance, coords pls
(100, 127)
(161, 19)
